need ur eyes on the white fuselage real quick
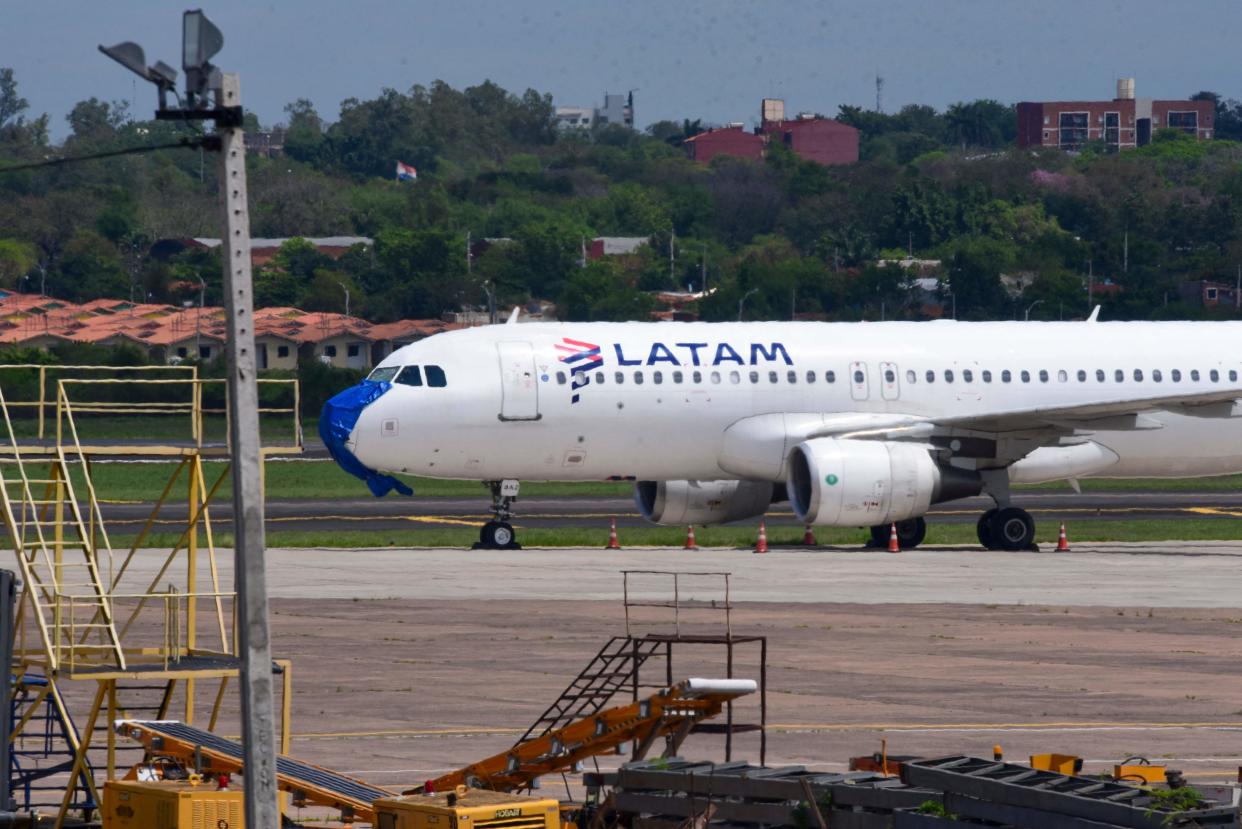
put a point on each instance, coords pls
(653, 401)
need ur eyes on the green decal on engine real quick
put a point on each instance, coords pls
(831, 480)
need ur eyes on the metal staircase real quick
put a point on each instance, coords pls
(56, 548)
(42, 754)
(615, 666)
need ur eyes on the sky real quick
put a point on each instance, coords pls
(689, 59)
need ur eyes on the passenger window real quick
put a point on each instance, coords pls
(792, 377)
(1119, 376)
(1026, 376)
(382, 375)
(931, 376)
(1176, 374)
(735, 377)
(948, 375)
(697, 376)
(1062, 375)
(638, 378)
(677, 377)
(560, 378)
(1006, 376)
(810, 377)
(754, 377)
(859, 378)
(599, 377)
(987, 376)
(435, 377)
(1082, 376)
(619, 377)
(910, 375)
(410, 376)
(890, 376)
(1233, 376)
(968, 376)
(1194, 374)
(1043, 375)
(1155, 375)
(1214, 374)
(716, 377)
(657, 377)
(830, 376)
(1099, 375)
(772, 377)
(1138, 375)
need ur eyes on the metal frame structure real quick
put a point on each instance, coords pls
(85, 613)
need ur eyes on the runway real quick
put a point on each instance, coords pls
(396, 513)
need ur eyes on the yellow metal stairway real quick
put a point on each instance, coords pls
(56, 548)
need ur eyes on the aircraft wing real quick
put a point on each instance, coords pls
(756, 447)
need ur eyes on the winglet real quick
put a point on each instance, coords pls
(514, 316)
(1095, 314)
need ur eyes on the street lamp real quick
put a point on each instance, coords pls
(1027, 316)
(742, 302)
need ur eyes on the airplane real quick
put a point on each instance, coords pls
(855, 424)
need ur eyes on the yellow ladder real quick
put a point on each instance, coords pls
(57, 554)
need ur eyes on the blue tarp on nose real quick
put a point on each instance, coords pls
(336, 422)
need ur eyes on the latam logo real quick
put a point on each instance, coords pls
(581, 357)
(706, 354)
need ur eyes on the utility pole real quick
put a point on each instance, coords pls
(1090, 287)
(346, 290)
(672, 237)
(249, 546)
(703, 272)
(205, 85)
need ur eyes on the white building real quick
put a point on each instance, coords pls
(617, 109)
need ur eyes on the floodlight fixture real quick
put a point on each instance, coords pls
(131, 56)
(200, 41)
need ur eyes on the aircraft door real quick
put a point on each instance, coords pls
(859, 387)
(518, 381)
(890, 381)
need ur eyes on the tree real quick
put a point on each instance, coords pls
(94, 120)
(602, 292)
(16, 260)
(982, 123)
(16, 133)
(91, 268)
(12, 105)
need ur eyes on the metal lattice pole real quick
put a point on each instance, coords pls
(250, 576)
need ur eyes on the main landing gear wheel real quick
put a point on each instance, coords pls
(1011, 528)
(984, 529)
(910, 534)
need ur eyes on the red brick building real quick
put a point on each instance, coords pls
(1121, 123)
(816, 139)
(731, 140)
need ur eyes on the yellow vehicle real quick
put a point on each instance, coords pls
(465, 808)
(133, 804)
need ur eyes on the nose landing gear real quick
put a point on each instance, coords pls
(498, 534)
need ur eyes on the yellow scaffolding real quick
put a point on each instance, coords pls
(130, 622)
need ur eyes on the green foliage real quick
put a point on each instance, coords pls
(602, 292)
(934, 808)
(1173, 801)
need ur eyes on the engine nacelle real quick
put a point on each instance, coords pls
(703, 502)
(861, 483)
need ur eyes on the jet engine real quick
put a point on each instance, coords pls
(703, 502)
(861, 483)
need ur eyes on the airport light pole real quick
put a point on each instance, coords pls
(741, 303)
(1026, 317)
(205, 86)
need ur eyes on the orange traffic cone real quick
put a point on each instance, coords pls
(613, 544)
(894, 546)
(761, 546)
(691, 544)
(1062, 542)
(808, 537)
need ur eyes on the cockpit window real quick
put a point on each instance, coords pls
(410, 376)
(383, 375)
(435, 377)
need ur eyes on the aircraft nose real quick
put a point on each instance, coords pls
(337, 426)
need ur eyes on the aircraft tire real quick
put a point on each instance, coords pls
(498, 535)
(984, 529)
(1012, 529)
(911, 532)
